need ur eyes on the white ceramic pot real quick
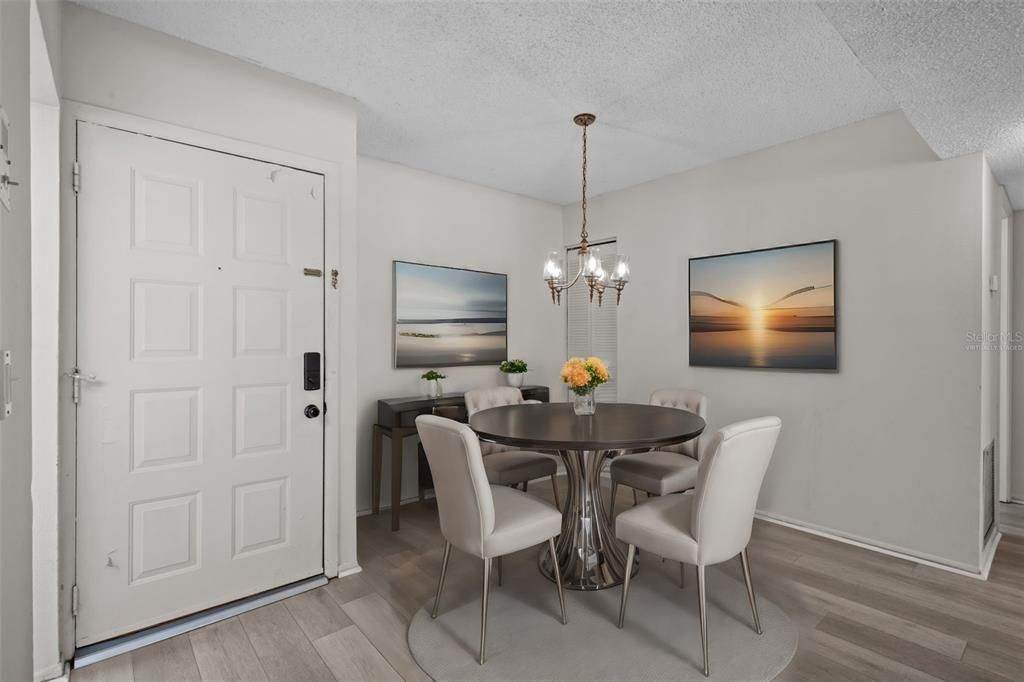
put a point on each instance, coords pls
(516, 379)
(434, 389)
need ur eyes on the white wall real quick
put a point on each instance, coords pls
(886, 450)
(113, 64)
(406, 214)
(15, 335)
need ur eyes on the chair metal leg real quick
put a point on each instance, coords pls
(703, 618)
(558, 578)
(497, 565)
(525, 483)
(636, 501)
(682, 575)
(440, 581)
(611, 505)
(625, 585)
(483, 611)
(745, 561)
(554, 491)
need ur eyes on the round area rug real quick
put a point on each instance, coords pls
(661, 639)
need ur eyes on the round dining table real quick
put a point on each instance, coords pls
(589, 556)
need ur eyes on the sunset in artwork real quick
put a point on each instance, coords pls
(769, 308)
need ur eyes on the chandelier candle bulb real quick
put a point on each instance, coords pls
(620, 273)
(553, 270)
(593, 263)
(620, 276)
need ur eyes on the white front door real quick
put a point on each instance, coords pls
(200, 477)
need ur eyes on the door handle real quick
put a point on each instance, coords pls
(311, 412)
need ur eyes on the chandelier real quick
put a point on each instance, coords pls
(590, 267)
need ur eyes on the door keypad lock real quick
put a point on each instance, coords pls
(311, 371)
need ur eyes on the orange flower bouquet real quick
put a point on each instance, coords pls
(582, 376)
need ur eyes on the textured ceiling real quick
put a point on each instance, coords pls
(955, 68)
(485, 92)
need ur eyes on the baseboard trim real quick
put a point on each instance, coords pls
(386, 507)
(50, 673)
(1010, 529)
(352, 569)
(94, 653)
(409, 500)
(988, 553)
(863, 543)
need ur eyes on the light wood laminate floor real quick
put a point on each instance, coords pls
(862, 615)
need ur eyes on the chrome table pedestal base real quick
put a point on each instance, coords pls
(589, 556)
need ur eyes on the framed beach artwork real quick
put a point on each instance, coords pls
(445, 317)
(770, 308)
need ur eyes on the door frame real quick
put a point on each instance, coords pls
(72, 113)
(1007, 339)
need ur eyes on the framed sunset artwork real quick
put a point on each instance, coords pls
(770, 308)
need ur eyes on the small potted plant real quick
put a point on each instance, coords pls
(433, 379)
(514, 371)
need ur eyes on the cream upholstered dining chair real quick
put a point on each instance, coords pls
(484, 520)
(712, 523)
(670, 469)
(506, 465)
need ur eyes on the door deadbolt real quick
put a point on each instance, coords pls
(311, 411)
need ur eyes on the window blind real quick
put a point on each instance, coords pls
(593, 330)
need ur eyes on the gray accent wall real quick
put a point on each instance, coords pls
(885, 451)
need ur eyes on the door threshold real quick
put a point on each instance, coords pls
(94, 653)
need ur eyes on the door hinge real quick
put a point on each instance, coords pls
(74, 600)
(77, 377)
(6, 397)
(76, 177)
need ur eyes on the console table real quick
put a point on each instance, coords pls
(396, 418)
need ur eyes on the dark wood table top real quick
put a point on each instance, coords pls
(392, 412)
(616, 426)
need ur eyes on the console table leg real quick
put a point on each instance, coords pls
(397, 438)
(378, 456)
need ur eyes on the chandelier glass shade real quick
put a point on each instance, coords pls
(591, 269)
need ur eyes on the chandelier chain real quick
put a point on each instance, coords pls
(583, 204)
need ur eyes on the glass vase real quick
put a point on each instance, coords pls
(585, 404)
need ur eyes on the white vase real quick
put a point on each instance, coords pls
(434, 389)
(515, 378)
